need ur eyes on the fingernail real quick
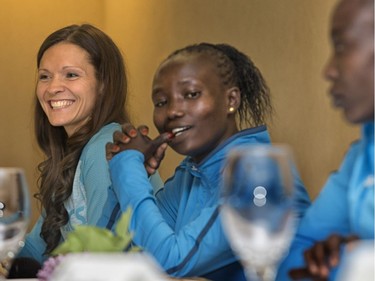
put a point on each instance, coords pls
(324, 271)
(333, 261)
(171, 136)
(313, 268)
(133, 133)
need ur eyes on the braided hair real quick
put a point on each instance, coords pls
(237, 69)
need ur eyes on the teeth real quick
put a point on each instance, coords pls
(60, 103)
(179, 130)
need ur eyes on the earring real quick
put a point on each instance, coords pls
(231, 109)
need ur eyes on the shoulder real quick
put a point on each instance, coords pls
(103, 136)
(363, 145)
(95, 148)
(352, 153)
(256, 134)
(247, 136)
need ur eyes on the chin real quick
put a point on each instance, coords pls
(178, 150)
(351, 118)
(56, 124)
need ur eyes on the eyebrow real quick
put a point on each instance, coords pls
(155, 91)
(71, 66)
(187, 81)
(64, 68)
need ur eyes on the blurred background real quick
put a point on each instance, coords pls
(288, 40)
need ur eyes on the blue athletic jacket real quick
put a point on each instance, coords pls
(180, 226)
(344, 206)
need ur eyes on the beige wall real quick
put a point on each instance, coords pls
(287, 39)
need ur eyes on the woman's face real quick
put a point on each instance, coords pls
(351, 67)
(67, 86)
(190, 98)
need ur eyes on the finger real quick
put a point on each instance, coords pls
(299, 273)
(129, 130)
(304, 273)
(156, 143)
(120, 137)
(110, 150)
(153, 163)
(320, 256)
(333, 244)
(150, 170)
(162, 138)
(143, 129)
(158, 156)
(160, 152)
(313, 257)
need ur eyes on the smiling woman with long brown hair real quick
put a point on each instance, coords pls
(80, 101)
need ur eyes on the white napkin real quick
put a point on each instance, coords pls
(108, 267)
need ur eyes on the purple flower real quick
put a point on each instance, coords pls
(44, 274)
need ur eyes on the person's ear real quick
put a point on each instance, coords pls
(233, 99)
(101, 89)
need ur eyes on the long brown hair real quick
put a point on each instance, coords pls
(63, 152)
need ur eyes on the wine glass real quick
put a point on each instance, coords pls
(14, 215)
(256, 206)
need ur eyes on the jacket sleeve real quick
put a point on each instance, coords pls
(34, 244)
(199, 247)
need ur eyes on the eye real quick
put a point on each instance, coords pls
(339, 46)
(71, 75)
(43, 76)
(192, 94)
(160, 103)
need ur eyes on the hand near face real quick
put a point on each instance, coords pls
(131, 138)
(320, 258)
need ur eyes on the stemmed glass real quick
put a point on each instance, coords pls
(256, 207)
(14, 215)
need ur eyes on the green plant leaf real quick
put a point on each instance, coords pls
(86, 238)
(122, 227)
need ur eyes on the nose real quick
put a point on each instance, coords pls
(55, 86)
(330, 71)
(175, 109)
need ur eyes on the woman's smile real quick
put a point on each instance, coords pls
(178, 131)
(59, 104)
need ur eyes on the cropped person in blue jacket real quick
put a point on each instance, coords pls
(345, 207)
(198, 93)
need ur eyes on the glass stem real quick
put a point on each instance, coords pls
(266, 273)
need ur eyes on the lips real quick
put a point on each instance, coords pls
(338, 102)
(337, 98)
